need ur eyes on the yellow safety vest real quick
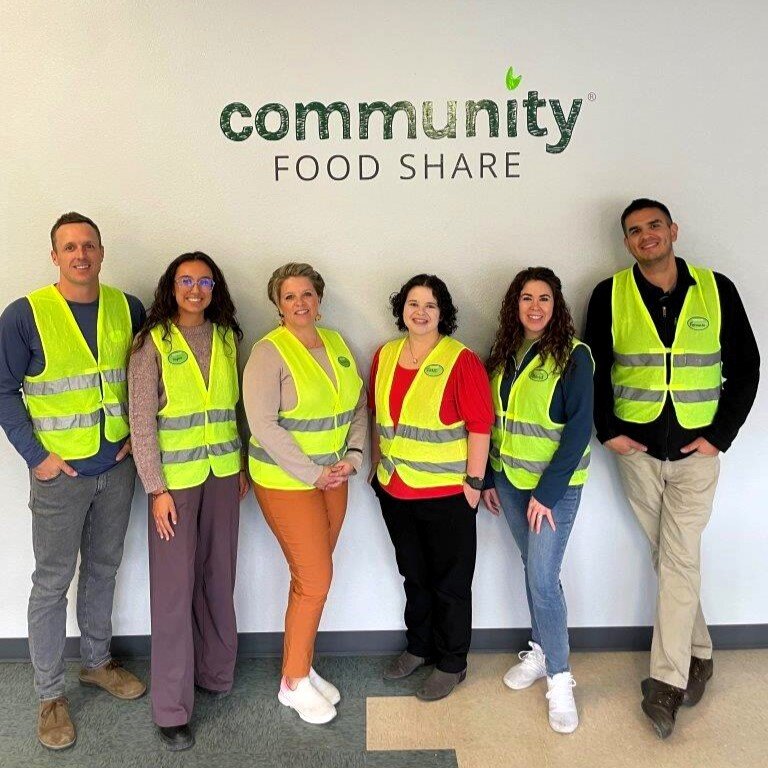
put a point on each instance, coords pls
(196, 429)
(524, 438)
(66, 401)
(639, 374)
(320, 421)
(425, 452)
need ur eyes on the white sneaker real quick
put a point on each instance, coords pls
(563, 716)
(309, 703)
(530, 669)
(329, 690)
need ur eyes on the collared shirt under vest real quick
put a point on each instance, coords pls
(324, 409)
(196, 428)
(67, 399)
(524, 437)
(639, 375)
(425, 452)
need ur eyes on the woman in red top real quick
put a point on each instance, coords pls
(433, 415)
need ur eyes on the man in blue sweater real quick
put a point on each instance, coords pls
(63, 406)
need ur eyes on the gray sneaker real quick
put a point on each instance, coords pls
(440, 684)
(405, 664)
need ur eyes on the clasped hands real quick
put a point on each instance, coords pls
(334, 475)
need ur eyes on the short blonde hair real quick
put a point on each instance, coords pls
(293, 269)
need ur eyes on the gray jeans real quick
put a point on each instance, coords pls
(71, 514)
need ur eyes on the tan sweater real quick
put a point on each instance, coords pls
(146, 396)
(268, 388)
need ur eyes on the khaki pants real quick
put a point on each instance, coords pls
(672, 501)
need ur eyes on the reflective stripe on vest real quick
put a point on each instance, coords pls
(67, 401)
(524, 437)
(425, 452)
(196, 429)
(324, 408)
(639, 372)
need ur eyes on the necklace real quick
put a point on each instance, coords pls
(414, 358)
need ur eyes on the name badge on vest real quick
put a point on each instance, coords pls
(178, 357)
(538, 374)
(698, 323)
(344, 361)
(434, 370)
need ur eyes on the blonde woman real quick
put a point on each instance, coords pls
(305, 404)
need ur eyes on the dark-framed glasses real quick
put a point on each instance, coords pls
(204, 283)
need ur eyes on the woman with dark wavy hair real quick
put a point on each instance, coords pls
(541, 383)
(183, 385)
(433, 415)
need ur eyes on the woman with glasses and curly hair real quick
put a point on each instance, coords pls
(433, 415)
(183, 386)
(541, 383)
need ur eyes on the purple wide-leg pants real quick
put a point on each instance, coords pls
(191, 584)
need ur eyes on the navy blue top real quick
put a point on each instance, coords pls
(571, 405)
(21, 354)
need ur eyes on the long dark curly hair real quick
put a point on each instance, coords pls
(448, 313)
(556, 340)
(164, 308)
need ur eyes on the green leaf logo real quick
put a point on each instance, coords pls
(512, 80)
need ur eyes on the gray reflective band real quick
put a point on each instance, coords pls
(423, 435)
(76, 421)
(494, 453)
(324, 459)
(642, 395)
(533, 430)
(499, 423)
(217, 415)
(316, 425)
(186, 454)
(696, 395)
(116, 409)
(631, 361)
(181, 422)
(67, 384)
(538, 467)
(691, 360)
(114, 375)
(435, 468)
(445, 435)
(222, 449)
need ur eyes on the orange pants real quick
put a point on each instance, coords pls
(306, 525)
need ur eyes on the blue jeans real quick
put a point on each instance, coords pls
(542, 555)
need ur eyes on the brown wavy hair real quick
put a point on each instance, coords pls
(556, 340)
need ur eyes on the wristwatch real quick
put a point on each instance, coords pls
(476, 483)
(157, 494)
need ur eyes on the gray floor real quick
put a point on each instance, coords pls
(249, 728)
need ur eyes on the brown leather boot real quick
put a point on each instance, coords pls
(54, 727)
(700, 671)
(114, 679)
(661, 702)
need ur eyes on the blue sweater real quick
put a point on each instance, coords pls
(571, 405)
(21, 354)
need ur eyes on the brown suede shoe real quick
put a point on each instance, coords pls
(54, 728)
(661, 702)
(113, 679)
(700, 672)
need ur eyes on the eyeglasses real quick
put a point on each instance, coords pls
(205, 283)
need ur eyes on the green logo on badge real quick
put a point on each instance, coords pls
(344, 361)
(538, 374)
(434, 370)
(178, 357)
(698, 323)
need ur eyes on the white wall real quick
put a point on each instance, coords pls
(112, 109)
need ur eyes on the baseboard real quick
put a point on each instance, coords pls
(380, 642)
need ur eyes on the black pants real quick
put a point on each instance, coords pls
(435, 545)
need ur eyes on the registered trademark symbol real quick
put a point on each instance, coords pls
(591, 95)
